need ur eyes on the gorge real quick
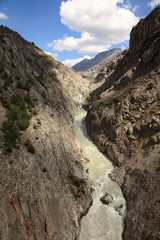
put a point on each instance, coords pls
(48, 181)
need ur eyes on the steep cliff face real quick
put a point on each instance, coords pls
(101, 77)
(42, 193)
(124, 121)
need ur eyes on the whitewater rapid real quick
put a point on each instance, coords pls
(103, 222)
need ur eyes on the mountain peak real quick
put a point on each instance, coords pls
(82, 66)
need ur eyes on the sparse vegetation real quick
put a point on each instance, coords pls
(35, 126)
(25, 86)
(41, 80)
(7, 81)
(38, 121)
(77, 185)
(158, 95)
(30, 147)
(4, 101)
(151, 85)
(17, 119)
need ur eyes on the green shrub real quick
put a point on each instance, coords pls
(23, 123)
(30, 147)
(18, 101)
(29, 101)
(8, 124)
(151, 85)
(11, 134)
(20, 84)
(14, 112)
(4, 102)
(7, 80)
(34, 112)
(158, 95)
(8, 147)
(25, 86)
(38, 121)
(35, 126)
(41, 80)
(17, 119)
(29, 83)
(6, 84)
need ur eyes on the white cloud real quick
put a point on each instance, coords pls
(100, 22)
(123, 48)
(3, 16)
(128, 5)
(54, 55)
(135, 8)
(85, 44)
(154, 3)
(72, 62)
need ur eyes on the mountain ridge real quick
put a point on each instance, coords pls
(86, 64)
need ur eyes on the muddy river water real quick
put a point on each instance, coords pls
(102, 222)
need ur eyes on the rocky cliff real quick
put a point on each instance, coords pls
(124, 121)
(42, 191)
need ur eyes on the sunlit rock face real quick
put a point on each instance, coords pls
(42, 191)
(124, 121)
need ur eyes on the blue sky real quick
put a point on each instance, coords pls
(74, 29)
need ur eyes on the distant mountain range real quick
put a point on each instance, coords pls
(90, 68)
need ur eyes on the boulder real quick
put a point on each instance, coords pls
(107, 198)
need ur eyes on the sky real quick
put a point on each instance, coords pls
(71, 30)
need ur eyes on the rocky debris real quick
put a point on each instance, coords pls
(107, 198)
(108, 69)
(119, 209)
(43, 194)
(123, 119)
(99, 80)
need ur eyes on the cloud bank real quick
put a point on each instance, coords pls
(100, 22)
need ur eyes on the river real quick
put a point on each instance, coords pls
(102, 222)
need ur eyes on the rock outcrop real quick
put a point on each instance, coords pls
(42, 191)
(124, 121)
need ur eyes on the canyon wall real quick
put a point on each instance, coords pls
(124, 121)
(43, 193)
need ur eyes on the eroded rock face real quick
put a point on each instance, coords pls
(42, 192)
(124, 121)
